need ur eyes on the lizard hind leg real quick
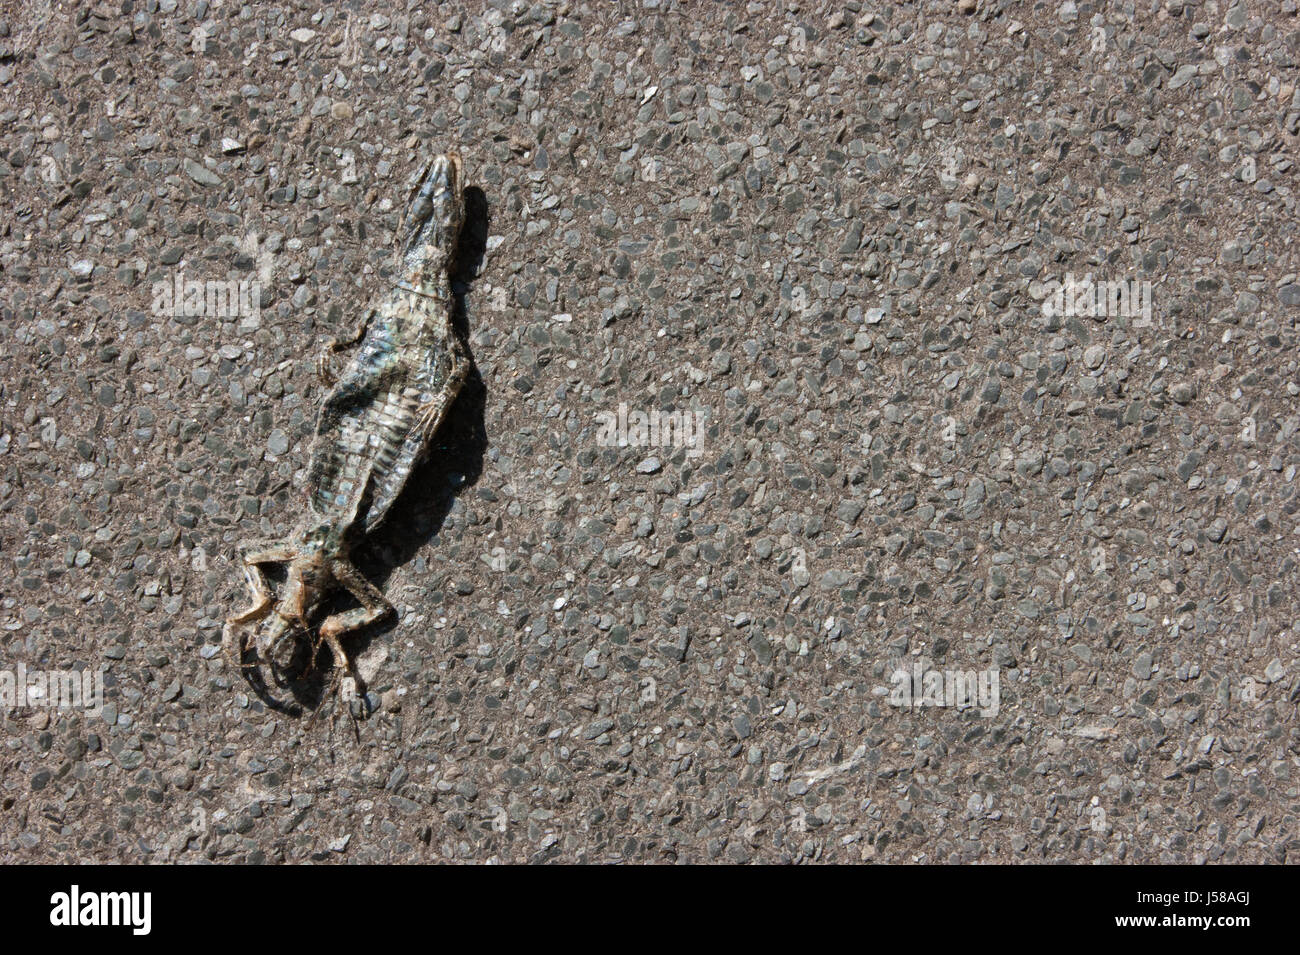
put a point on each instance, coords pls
(234, 643)
(374, 607)
(232, 635)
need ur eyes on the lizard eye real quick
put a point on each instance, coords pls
(421, 209)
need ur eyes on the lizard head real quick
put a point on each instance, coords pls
(432, 226)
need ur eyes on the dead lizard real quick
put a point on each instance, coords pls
(374, 426)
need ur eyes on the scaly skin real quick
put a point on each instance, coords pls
(374, 426)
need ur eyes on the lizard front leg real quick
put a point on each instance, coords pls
(431, 414)
(325, 366)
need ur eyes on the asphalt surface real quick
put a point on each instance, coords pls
(823, 241)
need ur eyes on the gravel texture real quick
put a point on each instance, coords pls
(822, 232)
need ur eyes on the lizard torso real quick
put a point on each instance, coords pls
(376, 422)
